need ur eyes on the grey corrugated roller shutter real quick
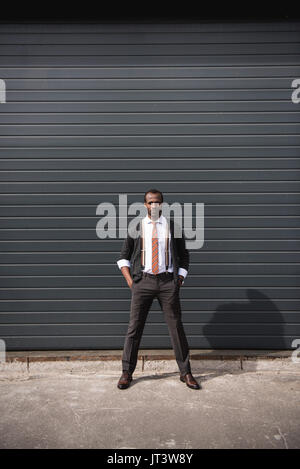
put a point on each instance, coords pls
(201, 111)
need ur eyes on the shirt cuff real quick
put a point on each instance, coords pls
(182, 272)
(123, 262)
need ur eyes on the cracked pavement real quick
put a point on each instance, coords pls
(77, 409)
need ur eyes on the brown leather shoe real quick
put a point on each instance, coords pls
(190, 381)
(125, 380)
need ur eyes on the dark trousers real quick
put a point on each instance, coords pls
(167, 292)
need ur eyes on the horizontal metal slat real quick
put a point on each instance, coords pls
(91, 223)
(114, 245)
(209, 269)
(145, 27)
(142, 153)
(115, 294)
(86, 317)
(124, 84)
(144, 164)
(237, 233)
(14, 121)
(202, 129)
(150, 140)
(199, 256)
(150, 329)
(149, 107)
(186, 304)
(214, 94)
(58, 342)
(164, 175)
(102, 280)
(112, 50)
(151, 60)
(139, 187)
(138, 72)
(151, 37)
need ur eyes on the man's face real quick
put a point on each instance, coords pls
(153, 204)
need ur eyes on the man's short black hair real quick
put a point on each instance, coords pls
(153, 191)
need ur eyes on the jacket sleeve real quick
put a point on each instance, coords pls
(183, 254)
(126, 252)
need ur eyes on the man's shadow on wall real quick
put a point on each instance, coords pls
(259, 320)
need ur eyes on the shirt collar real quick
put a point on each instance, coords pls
(148, 219)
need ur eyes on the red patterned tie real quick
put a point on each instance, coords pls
(154, 249)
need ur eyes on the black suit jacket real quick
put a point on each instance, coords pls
(131, 250)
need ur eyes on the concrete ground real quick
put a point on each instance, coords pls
(78, 405)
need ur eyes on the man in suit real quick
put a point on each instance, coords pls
(157, 270)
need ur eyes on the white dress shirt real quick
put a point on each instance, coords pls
(161, 225)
